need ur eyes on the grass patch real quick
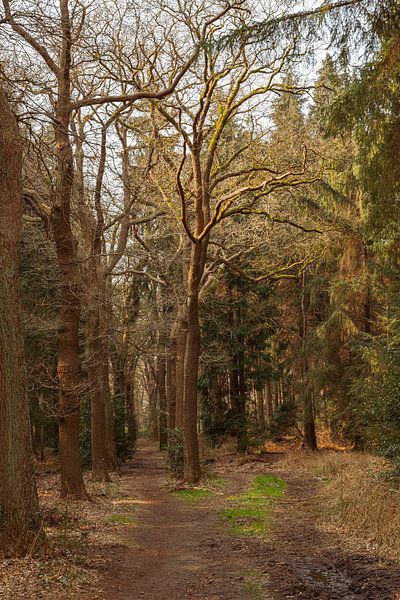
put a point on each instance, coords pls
(267, 486)
(248, 513)
(193, 494)
(120, 519)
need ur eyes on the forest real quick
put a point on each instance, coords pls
(199, 299)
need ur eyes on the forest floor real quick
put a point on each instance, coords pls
(151, 543)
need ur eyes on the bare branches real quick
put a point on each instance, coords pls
(34, 43)
(291, 270)
(282, 220)
(38, 205)
(139, 95)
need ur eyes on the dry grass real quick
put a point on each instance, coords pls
(355, 500)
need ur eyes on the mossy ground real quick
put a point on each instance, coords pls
(248, 513)
(193, 494)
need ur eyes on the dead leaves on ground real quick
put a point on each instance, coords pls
(79, 535)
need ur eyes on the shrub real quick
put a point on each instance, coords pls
(283, 419)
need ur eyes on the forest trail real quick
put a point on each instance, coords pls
(179, 551)
(174, 550)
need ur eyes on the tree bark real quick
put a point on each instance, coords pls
(171, 378)
(181, 339)
(68, 366)
(162, 401)
(310, 438)
(19, 510)
(131, 411)
(260, 404)
(192, 471)
(152, 392)
(269, 401)
(97, 396)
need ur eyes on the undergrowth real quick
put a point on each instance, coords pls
(357, 499)
(248, 513)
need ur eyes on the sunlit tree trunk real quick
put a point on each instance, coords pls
(191, 367)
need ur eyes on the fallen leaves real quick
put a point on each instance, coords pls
(79, 535)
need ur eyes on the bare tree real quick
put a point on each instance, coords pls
(59, 55)
(216, 179)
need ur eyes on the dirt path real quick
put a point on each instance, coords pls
(176, 551)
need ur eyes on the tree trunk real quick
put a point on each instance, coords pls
(95, 374)
(131, 412)
(105, 318)
(181, 339)
(162, 401)
(68, 367)
(260, 404)
(171, 379)
(152, 392)
(310, 438)
(19, 510)
(192, 472)
(269, 401)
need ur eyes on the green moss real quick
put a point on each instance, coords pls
(248, 513)
(193, 494)
(268, 485)
(237, 513)
(120, 519)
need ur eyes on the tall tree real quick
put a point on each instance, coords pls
(220, 175)
(19, 511)
(56, 51)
